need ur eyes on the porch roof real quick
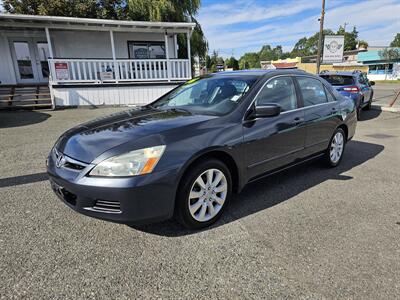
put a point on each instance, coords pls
(34, 21)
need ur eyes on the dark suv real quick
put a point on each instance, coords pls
(354, 85)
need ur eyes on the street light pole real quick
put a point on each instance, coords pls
(321, 31)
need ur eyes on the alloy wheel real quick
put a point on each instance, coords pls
(336, 149)
(207, 195)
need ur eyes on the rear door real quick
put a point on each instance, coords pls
(321, 113)
(275, 141)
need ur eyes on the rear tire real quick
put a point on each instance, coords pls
(358, 110)
(369, 105)
(203, 194)
(334, 153)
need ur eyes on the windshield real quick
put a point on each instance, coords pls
(339, 79)
(209, 95)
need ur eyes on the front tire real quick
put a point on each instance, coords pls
(334, 153)
(203, 194)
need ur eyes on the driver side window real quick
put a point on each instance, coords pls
(280, 91)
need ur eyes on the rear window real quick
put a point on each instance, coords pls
(339, 79)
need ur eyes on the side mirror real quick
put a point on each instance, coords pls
(265, 111)
(372, 83)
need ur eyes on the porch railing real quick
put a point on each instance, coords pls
(124, 70)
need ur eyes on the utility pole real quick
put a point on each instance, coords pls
(344, 27)
(321, 31)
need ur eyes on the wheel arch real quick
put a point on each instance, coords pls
(221, 155)
(344, 127)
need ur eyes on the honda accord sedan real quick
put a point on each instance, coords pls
(186, 153)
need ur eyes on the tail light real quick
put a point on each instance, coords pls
(352, 89)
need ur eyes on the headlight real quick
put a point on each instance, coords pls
(133, 163)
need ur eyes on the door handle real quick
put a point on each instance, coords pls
(297, 121)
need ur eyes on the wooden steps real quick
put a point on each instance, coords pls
(32, 96)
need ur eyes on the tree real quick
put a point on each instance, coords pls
(350, 38)
(300, 48)
(213, 61)
(390, 55)
(111, 9)
(308, 46)
(396, 41)
(362, 44)
(138, 10)
(232, 63)
(269, 53)
(249, 60)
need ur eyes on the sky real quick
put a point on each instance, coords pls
(239, 26)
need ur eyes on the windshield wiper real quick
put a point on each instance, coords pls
(180, 110)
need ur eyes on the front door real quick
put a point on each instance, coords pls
(276, 141)
(30, 60)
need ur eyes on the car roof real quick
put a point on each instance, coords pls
(343, 73)
(258, 72)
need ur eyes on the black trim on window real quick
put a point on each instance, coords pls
(145, 42)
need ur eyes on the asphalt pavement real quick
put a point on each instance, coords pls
(310, 232)
(384, 94)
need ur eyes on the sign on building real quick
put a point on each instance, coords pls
(333, 49)
(62, 72)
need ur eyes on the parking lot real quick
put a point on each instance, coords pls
(310, 232)
(385, 93)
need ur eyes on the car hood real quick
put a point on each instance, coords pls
(87, 141)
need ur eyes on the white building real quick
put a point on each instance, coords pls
(93, 61)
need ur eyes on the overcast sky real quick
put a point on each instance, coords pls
(238, 26)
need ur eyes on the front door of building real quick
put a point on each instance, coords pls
(30, 60)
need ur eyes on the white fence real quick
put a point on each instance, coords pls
(125, 70)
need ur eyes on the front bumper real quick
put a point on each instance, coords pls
(139, 199)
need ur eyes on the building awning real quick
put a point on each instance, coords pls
(55, 22)
(290, 65)
(374, 56)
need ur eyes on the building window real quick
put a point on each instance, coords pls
(381, 69)
(146, 50)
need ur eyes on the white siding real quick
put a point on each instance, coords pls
(81, 44)
(7, 74)
(115, 95)
(76, 44)
(89, 44)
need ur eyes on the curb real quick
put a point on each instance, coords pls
(386, 108)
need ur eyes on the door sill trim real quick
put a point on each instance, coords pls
(278, 170)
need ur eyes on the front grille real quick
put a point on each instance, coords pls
(69, 162)
(109, 206)
(74, 166)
